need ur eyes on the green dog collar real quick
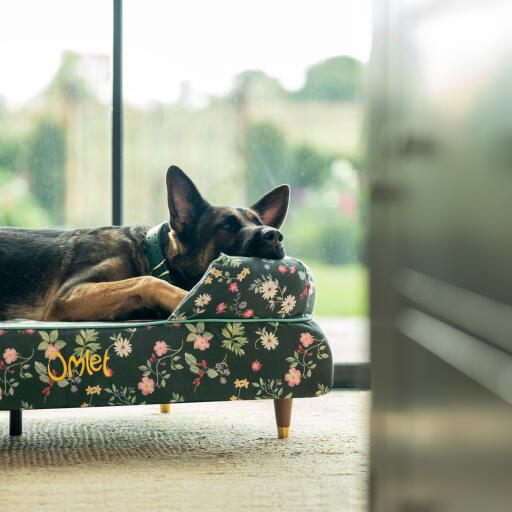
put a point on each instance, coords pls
(155, 254)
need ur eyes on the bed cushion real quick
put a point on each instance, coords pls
(245, 331)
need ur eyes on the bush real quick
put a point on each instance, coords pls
(18, 206)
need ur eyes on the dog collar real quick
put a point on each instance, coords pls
(155, 254)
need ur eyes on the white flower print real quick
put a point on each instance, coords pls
(268, 289)
(287, 305)
(122, 346)
(203, 300)
(268, 340)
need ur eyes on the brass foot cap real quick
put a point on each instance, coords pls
(283, 432)
(165, 408)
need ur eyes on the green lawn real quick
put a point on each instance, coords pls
(341, 290)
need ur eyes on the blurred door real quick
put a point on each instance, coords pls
(441, 256)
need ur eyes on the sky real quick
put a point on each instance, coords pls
(166, 42)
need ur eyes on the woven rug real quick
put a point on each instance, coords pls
(211, 456)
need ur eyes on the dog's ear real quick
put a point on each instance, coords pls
(272, 207)
(185, 202)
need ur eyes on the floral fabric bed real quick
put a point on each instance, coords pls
(244, 332)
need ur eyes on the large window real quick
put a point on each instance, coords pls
(55, 101)
(242, 96)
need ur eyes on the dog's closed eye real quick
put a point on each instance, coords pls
(231, 224)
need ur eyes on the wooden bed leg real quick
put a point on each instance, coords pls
(283, 409)
(15, 422)
(165, 408)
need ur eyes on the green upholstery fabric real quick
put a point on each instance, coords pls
(244, 332)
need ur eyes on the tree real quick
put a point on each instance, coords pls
(335, 79)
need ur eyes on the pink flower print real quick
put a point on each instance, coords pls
(282, 269)
(10, 355)
(147, 386)
(306, 339)
(51, 348)
(201, 342)
(221, 307)
(0, 393)
(176, 325)
(233, 287)
(2, 332)
(248, 313)
(256, 366)
(30, 331)
(293, 377)
(160, 348)
(293, 268)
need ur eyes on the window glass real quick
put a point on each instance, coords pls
(245, 96)
(55, 105)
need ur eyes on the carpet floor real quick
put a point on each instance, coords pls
(221, 456)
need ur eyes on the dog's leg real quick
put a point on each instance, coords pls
(113, 300)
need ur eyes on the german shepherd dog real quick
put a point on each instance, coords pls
(104, 274)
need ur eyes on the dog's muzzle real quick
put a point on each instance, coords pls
(268, 243)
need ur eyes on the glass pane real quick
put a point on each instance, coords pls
(268, 93)
(55, 103)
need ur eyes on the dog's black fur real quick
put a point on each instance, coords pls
(95, 274)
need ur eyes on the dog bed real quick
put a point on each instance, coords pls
(244, 332)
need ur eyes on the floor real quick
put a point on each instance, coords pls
(211, 456)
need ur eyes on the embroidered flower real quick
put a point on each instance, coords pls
(216, 272)
(268, 289)
(208, 280)
(30, 331)
(306, 339)
(242, 304)
(293, 268)
(242, 275)
(293, 377)
(221, 307)
(233, 287)
(0, 393)
(2, 332)
(249, 313)
(241, 383)
(201, 342)
(122, 347)
(10, 355)
(203, 300)
(282, 269)
(160, 348)
(287, 305)
(93, 390)
(50, 352)
(268, 340)
(223, 380)
(73, 389)
(256, 366)
(147, 386)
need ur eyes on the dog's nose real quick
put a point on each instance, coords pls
(272, 235)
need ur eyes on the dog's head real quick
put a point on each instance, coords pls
(201, 231)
